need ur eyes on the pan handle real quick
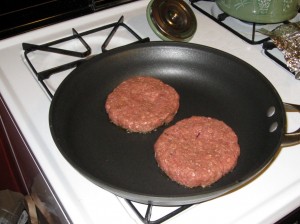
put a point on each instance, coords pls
(292, 138)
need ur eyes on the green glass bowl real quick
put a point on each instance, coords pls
(260, 11)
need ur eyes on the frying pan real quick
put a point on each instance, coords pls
(210, 83)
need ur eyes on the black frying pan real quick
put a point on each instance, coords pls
(209, 82)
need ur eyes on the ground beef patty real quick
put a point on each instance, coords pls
(197, 151)
(141, 104)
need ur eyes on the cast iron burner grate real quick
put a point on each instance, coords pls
(147, 219)
(221, 17)
(82, 55)
(268, 49)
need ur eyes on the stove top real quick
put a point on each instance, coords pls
(51, 62)
(265, 200)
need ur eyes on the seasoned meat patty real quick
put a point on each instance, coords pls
(197, 151)
(141, 104)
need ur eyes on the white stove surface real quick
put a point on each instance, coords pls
(272, 195)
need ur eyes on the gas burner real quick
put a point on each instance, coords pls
(245, 30)
(274, 53)
(171, 19)
(63, 55)
(270, 50)
(146, 213)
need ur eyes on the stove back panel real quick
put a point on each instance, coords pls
(24, 16)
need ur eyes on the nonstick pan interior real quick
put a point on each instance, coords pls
(210, 83)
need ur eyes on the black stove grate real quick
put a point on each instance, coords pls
(147, 219)
(267, 45)
(83, 56)
(268, 48)
(222, 16)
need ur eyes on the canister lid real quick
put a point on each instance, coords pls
(171, 19)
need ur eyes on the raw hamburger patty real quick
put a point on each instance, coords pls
(141, 104)
(197, 151)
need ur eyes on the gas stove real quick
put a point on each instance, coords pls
(266, 199)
